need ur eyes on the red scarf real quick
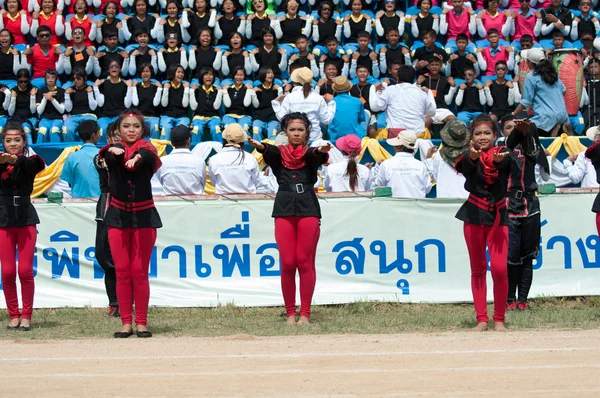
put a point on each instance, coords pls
(291, 158)
(142, 144)
(490, 172)
(10, 168)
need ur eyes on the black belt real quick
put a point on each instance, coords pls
(298, 188)
(516, 194)
(15, 200)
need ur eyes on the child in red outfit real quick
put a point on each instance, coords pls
(17, 223)
(486, 169)
(296, 210)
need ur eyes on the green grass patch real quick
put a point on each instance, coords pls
(360, 317)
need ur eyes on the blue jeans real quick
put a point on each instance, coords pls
(244, 121)
(154, 124)
(71, 124)
(167, 123)
(466, 117)
(103, 124)
(259, 128)
(199, 124)
(50, 130)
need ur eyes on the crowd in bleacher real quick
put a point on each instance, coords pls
(209, 64)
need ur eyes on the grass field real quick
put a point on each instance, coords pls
(354, 318)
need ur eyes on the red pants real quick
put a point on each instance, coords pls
(598, 223)
(22, 239)
(131, 249)
(297, 239)
(476, 237)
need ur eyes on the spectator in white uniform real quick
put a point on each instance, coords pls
(181, 172)
(440, 163)
(232, 170)
(303, 99)
(407, 176)
(347, 175)
(582, 171)
(405, 105)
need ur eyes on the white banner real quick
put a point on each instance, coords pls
(214, 252)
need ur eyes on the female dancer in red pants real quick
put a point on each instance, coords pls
(296, 210)
(486, 169)
(18, 219)
(131, 218)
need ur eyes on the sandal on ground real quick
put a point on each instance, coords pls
(123, 335)
(25, 328)
(144, 334)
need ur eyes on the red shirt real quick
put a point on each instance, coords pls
(14, 25)
(496, 22)
(524, 25)
(49, 21)
(86, 23)
(41, 62)
(458, 24)
(490, 59)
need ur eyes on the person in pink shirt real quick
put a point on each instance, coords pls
(488, 56)
(457, 21)
(525, 21)
(491, 18)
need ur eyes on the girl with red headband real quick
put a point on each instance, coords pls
(296, 210)
(18, 219)
(486, 169)
(131, 217)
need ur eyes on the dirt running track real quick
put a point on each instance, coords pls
(524, 364)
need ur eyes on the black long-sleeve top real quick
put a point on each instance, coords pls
(114, 98)
(16, 185)
(22, 110)
(104, 189)
(288, 202)
(494, 194)
(131, 203)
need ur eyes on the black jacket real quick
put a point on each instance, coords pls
(16, 209)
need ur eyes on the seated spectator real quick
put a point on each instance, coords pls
(423, 54)
(172, 54)
(390, 17)
(78, 56)
(50, 18)
(443, 90)
(461, 59)
(145, 96)
(79, 103)
(392, 52)
(555, 17)
(205, 55)
(291, 25)
(459, 20)
(470, 98)
(349, 114)
(233, 170)
(81, 20)
(175, 101)
(348, 175)
(586, 22)
(181, 172)
(324, 26)
(79, 170)
(365, 92)
(142, 20)
(256, 22)
(325, 85)
(303, 58)
(237, 100)
(491, 18)
(205, 102)
(173, 23)
(111, 24)
(5, 96)
(15, 20)
(50, 108)
(10, 59)
(268, 55)
(201, 16)
(108, 53)
(525, 21)
(142, 53)
(559, 42)
(42, 56)
(407, 176)
(265, 120)
(440, 162)
(110, 96)
(489, 56)
(423, 21)
(501, 94)
(411, 112)
(234, 58)
(228, 23)
(580, 169)
(21, 107)
(334, 55)
(364, 56)
(357, 21)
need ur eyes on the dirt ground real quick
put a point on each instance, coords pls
(524, 364)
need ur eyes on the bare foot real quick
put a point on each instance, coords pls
(127, 328)
(499, 327)
(303, 321)
(14, 322)
(481, 327)
(291, 320)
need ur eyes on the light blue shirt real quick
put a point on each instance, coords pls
(81, 174)
(547, 101)
(349, 113)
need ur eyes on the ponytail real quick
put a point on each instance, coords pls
(352, 173)
(307, 90)
(546, 70)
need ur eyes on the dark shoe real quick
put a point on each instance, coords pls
(123, 335)
(113, 311)
(25, 328)
(144, 334)
(12, 327)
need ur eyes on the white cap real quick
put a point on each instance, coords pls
(534, 55)
(405, 138)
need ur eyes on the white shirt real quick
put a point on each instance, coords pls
(406, 106)
(335, 178)
(582, 171)
(407, 176)
(449, 182)
(182, 173)
(318, 111)
(230, 173)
